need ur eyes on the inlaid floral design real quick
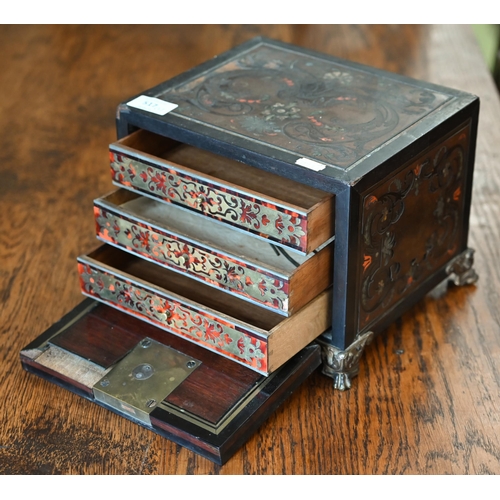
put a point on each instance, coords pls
(311, 106)
(280, 111)
(257, 216)
(174, 316)
(430, 189)
(212, 267)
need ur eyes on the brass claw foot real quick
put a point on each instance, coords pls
(343, 365)
(460, 269)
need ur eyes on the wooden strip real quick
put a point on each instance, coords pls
(71, 366)
(310, 279)
(315, 319)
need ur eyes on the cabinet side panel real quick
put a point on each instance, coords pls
(413, 223)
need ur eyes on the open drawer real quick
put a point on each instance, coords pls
(249, 334)
(191, 396)
(234, 261)
(267, 205)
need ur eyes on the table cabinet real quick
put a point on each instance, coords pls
(275, 208)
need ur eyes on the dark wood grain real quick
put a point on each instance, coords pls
(426, 400)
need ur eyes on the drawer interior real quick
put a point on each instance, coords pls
(228, 170)
(209, 232)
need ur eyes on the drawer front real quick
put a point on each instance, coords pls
(180, 254)
(176, 316)
(246, 211)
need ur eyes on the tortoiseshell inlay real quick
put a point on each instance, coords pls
(238, 209)
(314, 107)
(180, 319)
(399, 251)
(183, 256)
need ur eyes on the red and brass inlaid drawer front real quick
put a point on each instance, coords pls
(285, 212)
(211, 253)
(246, 333)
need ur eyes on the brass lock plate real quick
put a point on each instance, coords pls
(143, 379)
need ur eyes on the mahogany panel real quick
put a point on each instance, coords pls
(99, 338)
(220, 446)
(208, 393)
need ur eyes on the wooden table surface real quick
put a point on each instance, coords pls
(427, 400)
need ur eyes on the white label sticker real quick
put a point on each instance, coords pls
(311, 164)
(152, 104)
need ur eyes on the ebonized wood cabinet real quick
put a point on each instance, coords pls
(365, 176)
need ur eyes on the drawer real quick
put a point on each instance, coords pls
(251, 335)
(233, 261)
(264, 204)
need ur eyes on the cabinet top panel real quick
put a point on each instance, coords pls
(289, 103)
